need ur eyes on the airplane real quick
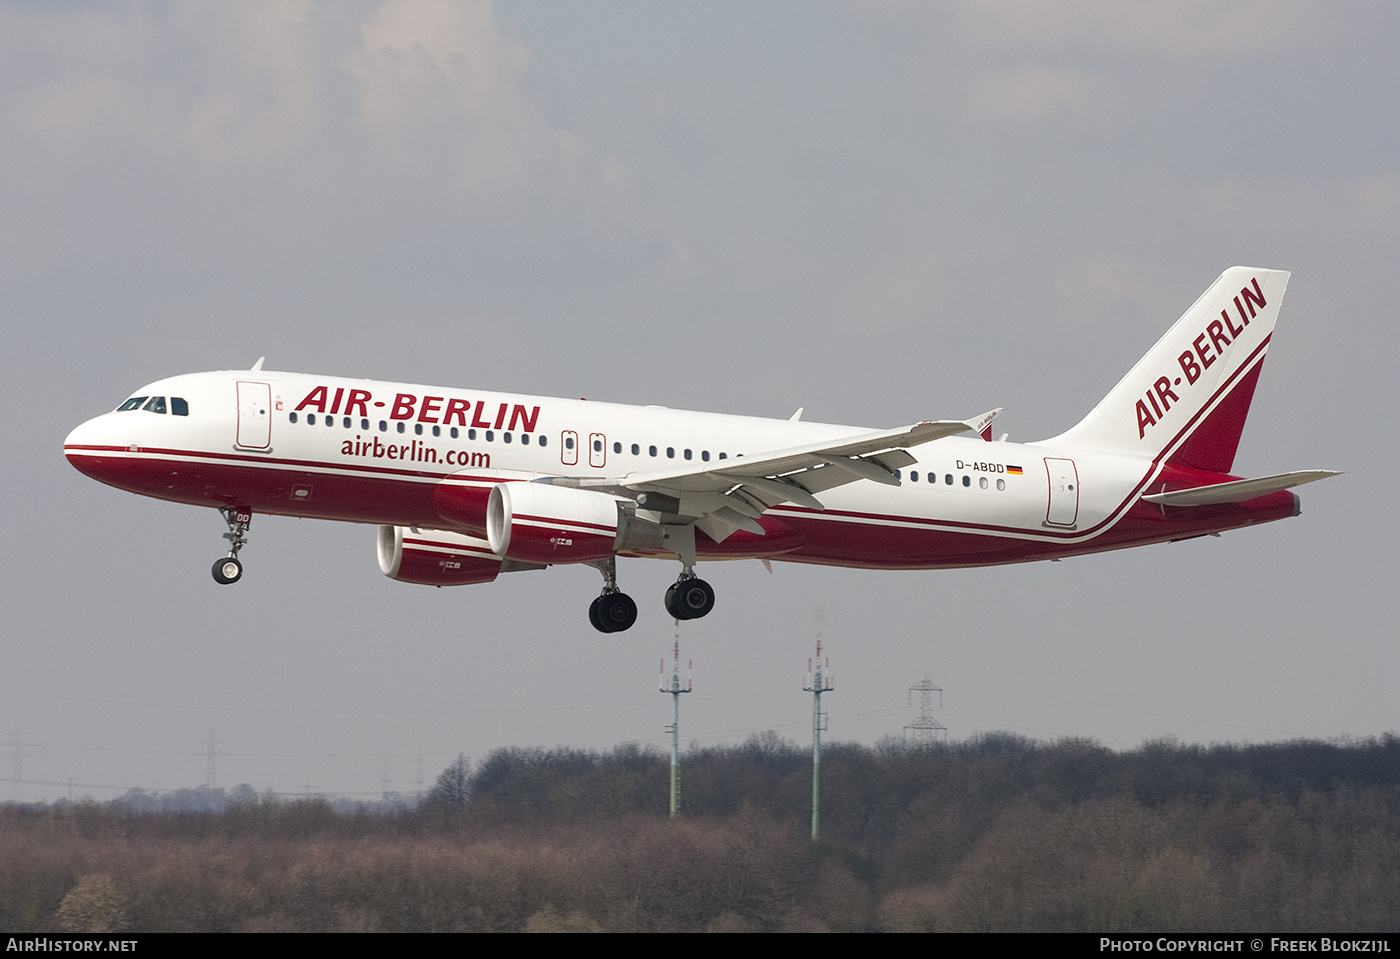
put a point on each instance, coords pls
(468, 484)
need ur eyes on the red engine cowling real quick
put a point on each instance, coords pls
(461, 497)
(539, 523)
(435, 557)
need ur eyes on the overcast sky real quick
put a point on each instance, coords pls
(881, 212)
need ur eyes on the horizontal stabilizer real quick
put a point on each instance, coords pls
(1238, 491)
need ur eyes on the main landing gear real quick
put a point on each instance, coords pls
(613, 611)
(229, 569)
(689, 597)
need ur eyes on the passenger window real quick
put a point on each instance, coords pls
(705, 455)
(913, 476)
(636, 449)
(948, 479)
(132, 404)
(670, 452)
(399, 426)
(178, 406)
(383, 426)
(617, 447)
(156, 404)
(418, 429)
(1001, 484)
(364, 424)
(687, 454)
(490, 435)
(471, 434)
(568, 442)
(652, 449)
(291, 417)
(345, 422)
(543, 441)
(967, 480)
(505, 437)
(453, 432)
(982, 482)
(437, 430)
(525, 439)
(724, 456)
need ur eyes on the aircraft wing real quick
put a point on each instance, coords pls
(731, 494)
(1238, 491)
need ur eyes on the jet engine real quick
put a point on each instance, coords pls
(461, 498)
(540, 523)
(435, 557)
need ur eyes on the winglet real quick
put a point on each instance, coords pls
(983, 424)
(257, 367)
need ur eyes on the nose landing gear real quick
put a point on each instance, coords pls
(228, 569)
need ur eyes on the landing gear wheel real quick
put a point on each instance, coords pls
(690, 599)
(227, 570)
(612, 613)
(594, 618)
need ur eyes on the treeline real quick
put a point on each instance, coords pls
(997, 833)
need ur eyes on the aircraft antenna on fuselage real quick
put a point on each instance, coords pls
(257, 367)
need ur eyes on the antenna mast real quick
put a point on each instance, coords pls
(675, 728)
(818, 682)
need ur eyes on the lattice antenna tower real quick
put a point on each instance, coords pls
(17, 783)
(211, 756)
(926, 729)
(675, 690)
(818, 682)
(386, 781)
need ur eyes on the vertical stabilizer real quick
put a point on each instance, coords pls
(1185, 402)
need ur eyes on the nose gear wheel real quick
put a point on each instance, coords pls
(228, 569)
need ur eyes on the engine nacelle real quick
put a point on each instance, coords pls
(435, 557)
(461, 498)
(540, 523)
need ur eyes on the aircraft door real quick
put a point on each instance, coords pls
(568, 448)
(597, 450)
(254, 416)
(1064, 492)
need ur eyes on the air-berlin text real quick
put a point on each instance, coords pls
(444, 410)
(1205, 350)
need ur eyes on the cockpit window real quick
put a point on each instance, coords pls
(178, 406)
(156, 404)
(132, 404)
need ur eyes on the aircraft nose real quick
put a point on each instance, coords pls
(83, 435)
(86, 445)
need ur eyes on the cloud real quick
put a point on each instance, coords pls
(1033, 92)
(440, 82)
(429, 88)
